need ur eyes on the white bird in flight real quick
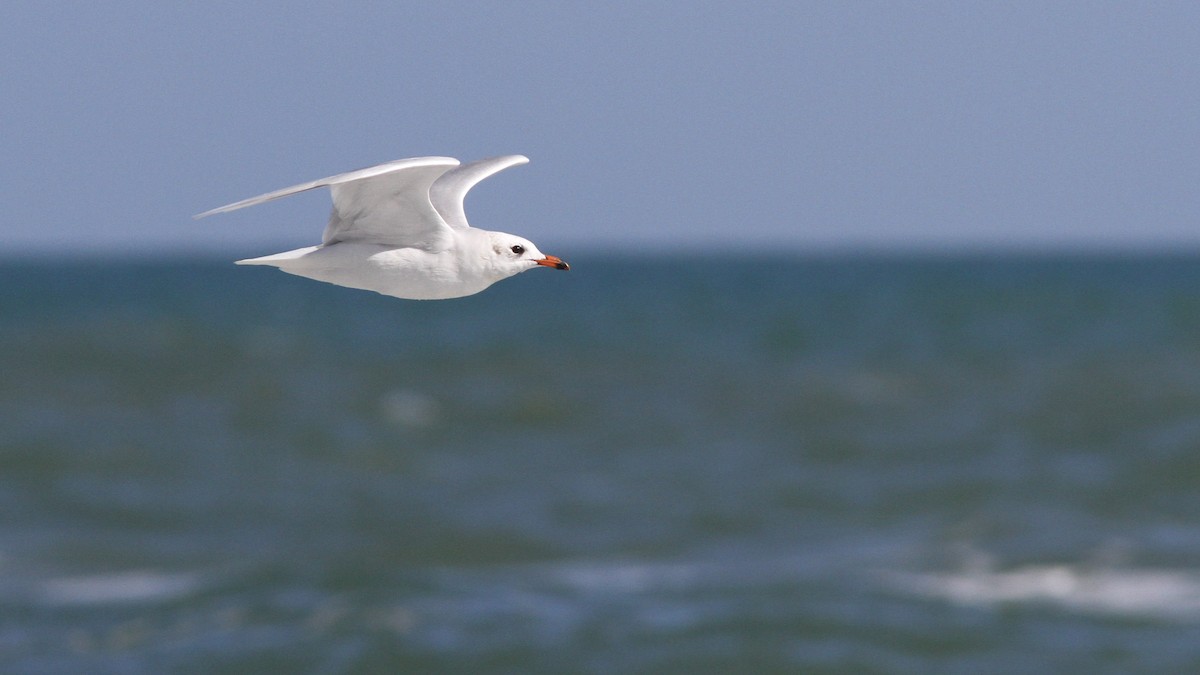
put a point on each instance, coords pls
(399, 229)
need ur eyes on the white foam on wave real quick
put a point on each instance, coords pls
(136, 586)
(1147, 593)
(629, 577)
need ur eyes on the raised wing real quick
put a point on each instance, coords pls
(340, 178)
(449, 191)
(386, 204)
(391, 208)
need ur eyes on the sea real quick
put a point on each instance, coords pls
(674, 463)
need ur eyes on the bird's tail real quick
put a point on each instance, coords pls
(278, 259)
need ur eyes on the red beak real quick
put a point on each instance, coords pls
(553, 261)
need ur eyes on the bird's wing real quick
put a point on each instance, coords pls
(390, 207)
(449, 191)
(386, 204)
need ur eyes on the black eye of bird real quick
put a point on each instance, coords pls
(518, 249)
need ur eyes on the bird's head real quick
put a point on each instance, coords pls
(513, 254)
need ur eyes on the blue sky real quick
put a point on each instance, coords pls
(661, 125)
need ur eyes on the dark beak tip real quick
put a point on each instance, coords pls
(553, 261)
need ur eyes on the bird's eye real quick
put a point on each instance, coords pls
(518, 249)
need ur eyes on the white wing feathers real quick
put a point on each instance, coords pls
(405, 203)
(392, 209)
(449, 191)
(340, 178)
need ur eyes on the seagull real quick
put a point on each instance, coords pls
(399, 229)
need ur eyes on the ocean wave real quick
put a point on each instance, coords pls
(1128, 592)
(135, 586)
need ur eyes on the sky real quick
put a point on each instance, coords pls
(650, 125)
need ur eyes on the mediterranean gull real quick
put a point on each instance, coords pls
(399, 229)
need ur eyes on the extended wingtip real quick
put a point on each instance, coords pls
(222, 209)
(369, 172)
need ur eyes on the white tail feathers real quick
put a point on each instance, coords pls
(278, 259)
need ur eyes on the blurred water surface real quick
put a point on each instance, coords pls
(694, 464)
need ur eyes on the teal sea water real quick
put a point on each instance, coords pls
(698, 464)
